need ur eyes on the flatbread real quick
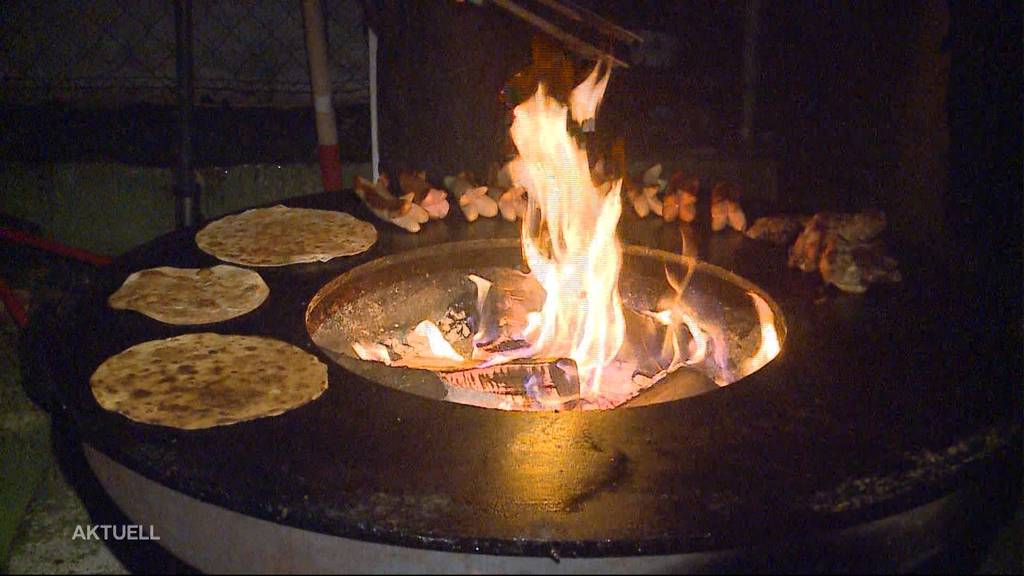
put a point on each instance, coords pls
(184, 296)
(279, 236)
(203, 380)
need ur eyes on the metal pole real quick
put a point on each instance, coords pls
(750, 71)
(320, 82)
(185, 188)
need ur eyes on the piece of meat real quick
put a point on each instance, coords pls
(401, 212)
(845, 250)
(805, 253)
(512, 203)
(473, 200)
(781, 230)
(521, 384)
(414, 186)
(726, 209)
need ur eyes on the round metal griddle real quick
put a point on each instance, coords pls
(878, 404)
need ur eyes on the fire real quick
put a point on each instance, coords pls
(569, 305)
(427, 336)
(678, 312)
(585, 98)
(425, 347)
(568, 237)
(769, 347)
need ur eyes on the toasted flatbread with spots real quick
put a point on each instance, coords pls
(187, 296)
(204, 380)
(279, 236)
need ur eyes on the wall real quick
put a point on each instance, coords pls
(856, 95)
(116, 52)
(110, 208)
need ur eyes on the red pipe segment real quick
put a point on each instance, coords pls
(24, 238)
(14, 307)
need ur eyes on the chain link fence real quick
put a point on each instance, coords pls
(104, 53)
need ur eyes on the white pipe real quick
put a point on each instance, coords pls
(374, 142)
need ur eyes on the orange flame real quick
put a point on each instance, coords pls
(678, 312)
(585, 98)
(569, 239)
(769, 347)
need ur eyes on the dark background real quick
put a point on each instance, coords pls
(913, 107)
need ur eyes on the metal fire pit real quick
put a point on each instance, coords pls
(879, 439)
(390, 295)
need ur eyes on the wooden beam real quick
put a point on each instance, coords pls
(542, 384)
(582, 48)
(581, 14)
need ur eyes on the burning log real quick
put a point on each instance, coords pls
(504, 304)
(781, 230)
(845, 250)
(652, 344)
(726, 209)
(474, 201)
(530, 384)
(401, 212)
(415, 187)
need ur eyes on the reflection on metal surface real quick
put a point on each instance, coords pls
(553, 465)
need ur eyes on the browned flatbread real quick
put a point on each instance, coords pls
(279, 236)
(203, 380)
(191, 295)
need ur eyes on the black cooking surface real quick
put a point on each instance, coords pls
(877, 403)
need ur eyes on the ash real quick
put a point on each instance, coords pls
(455, 325)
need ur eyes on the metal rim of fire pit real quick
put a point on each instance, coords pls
(841, 429)
(422, 382)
